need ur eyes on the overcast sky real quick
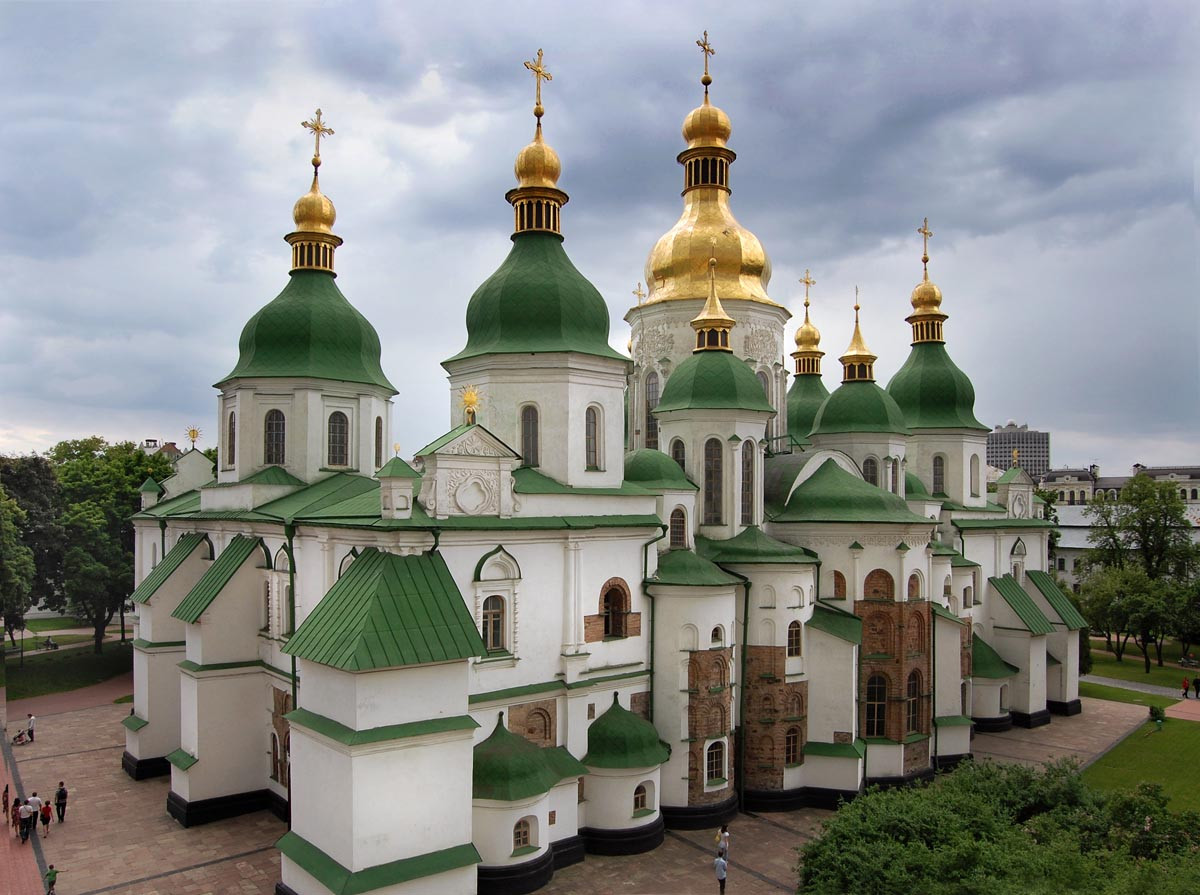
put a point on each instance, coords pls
(152, 153)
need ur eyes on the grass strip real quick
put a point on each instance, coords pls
(1118, 694)
(64, 670)
(1133, 668)
(1168, 757)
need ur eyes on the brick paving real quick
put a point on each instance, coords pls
(1084, 737)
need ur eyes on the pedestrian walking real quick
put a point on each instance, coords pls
(35, 803)
(720, 866)
(51, 879)
(60, 801)
(6, 803)
(723, 840)
(27, 815)
(46, 813)
(29, 726)
(16, 817)
(1196, 685)
(1187, 685)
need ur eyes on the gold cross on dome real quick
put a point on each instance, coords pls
(707, 49)
(317, 126)
(639, 292)
(539, 74)
(925, 234)
(807, 280)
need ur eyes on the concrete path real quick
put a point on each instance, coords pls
(1084, 737)
(99, 694)
(19, 871)
(1133, 685)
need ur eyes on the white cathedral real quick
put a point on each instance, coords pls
(621, 593)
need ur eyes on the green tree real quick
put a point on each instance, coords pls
(1147, 524)
(1050, 514)
(1106, 605)
(31, 482)
(1185, 614)
(16, 566)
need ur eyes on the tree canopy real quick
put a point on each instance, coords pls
(16, 565)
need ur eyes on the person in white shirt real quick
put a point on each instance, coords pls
(719, 867)
(29, 726)
(27, 815)
(35, 803)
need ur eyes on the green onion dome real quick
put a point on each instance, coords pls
(537, 302)
(310, 330)
(804, 399)
(933, 392)
(654, 469)
(833, 495)
(621, 739)
(714, 380)
(859, 406)
(508, 767)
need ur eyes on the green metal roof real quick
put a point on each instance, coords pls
(986, 662)
(752, 545)
(836, 622)
(508, 767)
(213, 581)
(1022, 604)
(150, 487)
(913, 486)
(860, 406)
(654, 469)
(1000, 523)
(339, 880)
(713, 380)
(1012, 474)
(833, 495)
(268, 475)
(932, 392)
(527, 480)
(940, 610)
(621, 739)
(684, 568)
(804, 399)
(176, 555)
(310, 330)
(388, 611)
(181, 505)
(537, 302)
(396, 468)
(1058, 601)
(856, 749)
(322, 494)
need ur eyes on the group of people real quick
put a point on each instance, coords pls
(25, 814)
(1194, 682)
(721, 862)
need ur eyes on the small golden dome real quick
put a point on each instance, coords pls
(706, 125)
(927, 297)
(808, 337)
(537, 164)
(857, 351)
(313, 212)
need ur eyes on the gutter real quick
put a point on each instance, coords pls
(740, 770)
(289, 531)
(653, 617)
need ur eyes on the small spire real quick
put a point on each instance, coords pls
(858, 363)
(312, 241)
(537, 201)
(539, 74)
(708, 50)
(808, 338)
(926, 233)
(927, 317)
(712, 324)
(317, 126)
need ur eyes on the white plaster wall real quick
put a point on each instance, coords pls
(493, 824)
(380, 698)
(564, 802)
(322, 795)
(947, 693)
(609, 794)
(985, 698)
(231, 732)
(461, 881)
(228, 630)
(833, 673)
(154, 617)
(953, 740)
(156, 700)
(885, 760)
(957, 446)
(828, 772)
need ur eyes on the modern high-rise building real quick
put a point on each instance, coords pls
(1033, 448)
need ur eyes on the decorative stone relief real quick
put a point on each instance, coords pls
(655, 342)
(473, 445)
(474, 492)
(762, 344)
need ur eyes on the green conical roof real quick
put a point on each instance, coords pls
(833, 495)
(621, 739)
(713, 380)
(752, 545)
(860, 406)
(508, 767)
(537, 302)
(150, 486)
(396, 468)
(651, 468)
(804, 399)
(309, 329)
(933, 392)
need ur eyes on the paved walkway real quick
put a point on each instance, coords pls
(1084, 737)
(99, 694)
(1131, 685)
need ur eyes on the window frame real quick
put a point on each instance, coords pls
(678, 515)
(339, 440)
(230, 458)
(679, 452)
(912, 703)
(791, 746)
(492, 624)
(875, 702)
(870, 471)
(275, 437)
(652, 386)
(795, 640)
(747, 495)
(714, 482)
(716, 749)
(530, 435)
(591, 438)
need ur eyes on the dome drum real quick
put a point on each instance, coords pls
(706, 167)
(536, 208)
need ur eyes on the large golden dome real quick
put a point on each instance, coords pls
(314, 212)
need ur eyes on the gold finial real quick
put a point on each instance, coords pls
(396, 448)
(193, 433)
(925, 234)
(470, 402)
(808, 338)
(712, 324)
(1016, 453)
(317, 126)
(639, 292)
(707, 49)
(858, 363)
(539, 74)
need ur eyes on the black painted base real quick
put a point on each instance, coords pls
(630, 841)
(698, 817)
(1033, 719)
(279, 806)
(205, 811)
(993, 725)
(516, 879)
(568, 851)
(1072, 707)
(281, 889)
(892, 782)
(766, 801)
(144, 768)
(949, 762)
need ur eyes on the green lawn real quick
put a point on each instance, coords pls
(1117, 694)
(123, 699)
(54, 624)
(35, 641)
(1169, 757)
(65, 670)
(1133, 668)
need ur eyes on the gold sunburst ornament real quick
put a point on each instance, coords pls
(470, 402)
(193, 434)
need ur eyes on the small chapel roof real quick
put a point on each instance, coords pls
(621, 739)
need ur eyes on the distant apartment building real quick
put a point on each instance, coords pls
(1032, 446)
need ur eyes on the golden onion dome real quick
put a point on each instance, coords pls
(927, 297)
(808, 337)
(314, 212)
(706, 125)
(538, 164)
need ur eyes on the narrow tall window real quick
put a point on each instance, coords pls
(639, 798)
(712, 482)
(747, 483)
(529, 435)
(794, 643)
(715, 762)
(791, 746)
(615, 612)
(678, 452)
(871, 470)
(876, 706)
(975, 492)
(913, 703)
(591, 436)
(678, 529)
(378, 441)
(493, 623)
(895, 476)
(276, 439)
(339, 439)
(231, 442)
(652, 395)
(766, 387)
(939, 475)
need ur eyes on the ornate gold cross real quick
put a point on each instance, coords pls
(856, 306)
(925, 234)
(807, 280)
(317, 126)
(539, 74)
(707, 49)
(639, 292)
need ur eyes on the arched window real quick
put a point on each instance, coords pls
(231, 441)
(615, 609)
(378, 441)
(1183, 494)
(975, 475)
(714, 763)
(639, 798)
(537, 728)
(339, 439)
(346, 560)
(766, 387)
(794, 643)
(153, 555)
(839, 586)
(895, 476)
(914, 586)
(677, 452)
(493, 623)
(747, 482)
(879, 585)
(591, 438)
(652, 395)
(713, 476)
(274, 757)
(529, 435)
(275, 439)
(913, 703)
(871, 470)
(876, 706)
(289, 616)
(523, 834)
(716, 637)
(1193, 494)
(678, 528)
(939, 474)
(791, 746)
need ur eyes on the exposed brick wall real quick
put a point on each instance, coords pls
(536, 721)
(639, 704)
(709, 716)
(772, 708)
(879, 585)
(965, 648)
(593, 626)
(916, 757)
